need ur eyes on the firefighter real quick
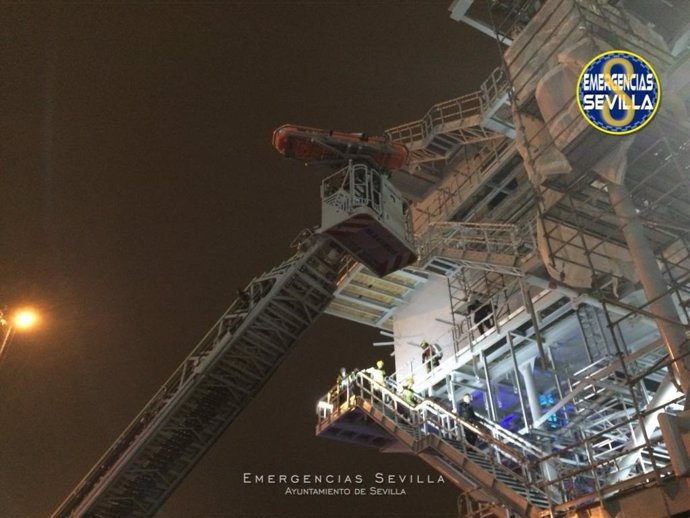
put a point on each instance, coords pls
(377, 374)
(407, 393)
(343, 385)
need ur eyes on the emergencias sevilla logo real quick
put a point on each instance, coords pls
(618, 92)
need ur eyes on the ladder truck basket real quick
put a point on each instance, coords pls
(365, 213)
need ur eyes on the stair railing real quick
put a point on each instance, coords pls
(503, 450)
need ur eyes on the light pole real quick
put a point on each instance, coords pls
(22, 319)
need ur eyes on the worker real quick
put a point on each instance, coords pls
(341, 379)
(482, 315)
(426, 355)
(378, 380)
(377, 374)
(430, 356)
(408, 396)
(407, 393)
(466, 412)
(342, 385)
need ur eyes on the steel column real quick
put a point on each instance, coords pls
(653, 283)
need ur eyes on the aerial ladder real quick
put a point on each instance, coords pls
(364, 218)
(361, 209)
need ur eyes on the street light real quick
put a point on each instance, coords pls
(25, 318)
(21, 320)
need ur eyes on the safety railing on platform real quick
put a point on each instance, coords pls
(501, 452)
(458, 188)
(451, 111)
(353, 186)
(603, 445)
(489, 238)
(481, 322)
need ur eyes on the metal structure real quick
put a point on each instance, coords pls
(557, 278)
(364, 218)
(552, 277)
(211, 387)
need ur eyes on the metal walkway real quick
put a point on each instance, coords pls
(210, 389)
(501, 469)
(484, 246)
(479, 122)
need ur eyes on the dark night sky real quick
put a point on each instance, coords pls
(140, 190)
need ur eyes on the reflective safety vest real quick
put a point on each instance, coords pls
(378, 375)
(408, 395)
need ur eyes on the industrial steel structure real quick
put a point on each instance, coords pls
(574, 245)
(551, 275)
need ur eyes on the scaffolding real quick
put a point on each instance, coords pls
(553, 273)
(567, 265)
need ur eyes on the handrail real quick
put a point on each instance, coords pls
(490, 237)
(429, 425)
(512, 437)
(448, 425)
(452, 110)
(555, 472)
(428, 406)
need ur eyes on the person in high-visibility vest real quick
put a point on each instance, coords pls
(407, 393)
(378, 379)
(341, 379)
(408, 396)
(377, 373)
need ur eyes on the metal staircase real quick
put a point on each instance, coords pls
(212, 386)
(593, 335)
(480, 124)
(450, 124)
(501, 469)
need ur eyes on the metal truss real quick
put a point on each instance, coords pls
(211, 387)
(497, 469)
(572, 361)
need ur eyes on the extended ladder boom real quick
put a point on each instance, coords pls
(211, 387)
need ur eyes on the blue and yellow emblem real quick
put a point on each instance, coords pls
(618, 92)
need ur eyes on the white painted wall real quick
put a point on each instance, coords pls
(418, 320)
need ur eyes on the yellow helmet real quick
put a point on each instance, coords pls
(379, 363)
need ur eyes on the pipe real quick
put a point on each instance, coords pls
(517, 378)
(531, 388)
(661, 304)
(533, 315)
(548, 469)
(666, 393)
(489, 391)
